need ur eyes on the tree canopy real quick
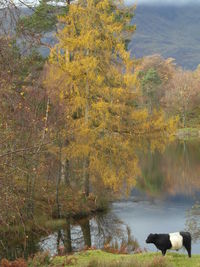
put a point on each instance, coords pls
(91, 73)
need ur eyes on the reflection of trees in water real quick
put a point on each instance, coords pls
(175, 171)
(64, 238)
(107, 228)
(193, 222)
(110, 230)
(180, 166)
(152, 179)
(97, 231)
(74, 235)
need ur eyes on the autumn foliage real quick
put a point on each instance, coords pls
(91, 76)
(16, 263)
(71, 127)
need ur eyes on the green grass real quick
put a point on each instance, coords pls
(97, 258)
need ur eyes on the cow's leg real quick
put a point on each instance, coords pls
(187, 240)
(187, 244)
(188, 248)
(164, 252)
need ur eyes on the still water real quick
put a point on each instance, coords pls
(145, 217)
(166, 199)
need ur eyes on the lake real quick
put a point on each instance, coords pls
(166, 199)
(168, 194)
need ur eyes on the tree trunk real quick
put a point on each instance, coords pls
(36, 164)
(86, 160)
(86, 176)
(65, 172)
(63, 169)
(67, 237)
(85, 227)
(184, 119)
(58, 215)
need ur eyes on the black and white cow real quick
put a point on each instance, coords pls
(174, 241)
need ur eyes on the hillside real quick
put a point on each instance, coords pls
(172, 31)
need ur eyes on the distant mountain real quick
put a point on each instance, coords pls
(172, 31)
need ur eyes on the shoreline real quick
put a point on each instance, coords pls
(187, 133)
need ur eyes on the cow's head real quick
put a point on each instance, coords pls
(151, 238)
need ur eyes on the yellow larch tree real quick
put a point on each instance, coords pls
(91, 73)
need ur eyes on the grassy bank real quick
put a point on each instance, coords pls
(188, 133)
(97, 258)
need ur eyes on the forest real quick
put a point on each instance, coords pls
(73, 123)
